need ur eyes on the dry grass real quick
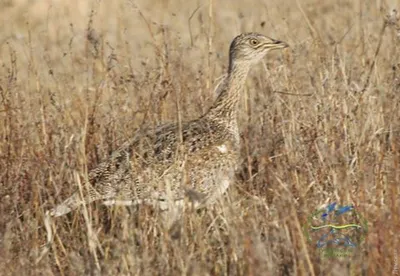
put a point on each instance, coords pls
(74, 84)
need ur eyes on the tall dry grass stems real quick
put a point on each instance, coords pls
(319, 123)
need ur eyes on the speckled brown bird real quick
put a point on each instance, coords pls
(177, 163)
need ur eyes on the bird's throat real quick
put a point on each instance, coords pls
(225, 106)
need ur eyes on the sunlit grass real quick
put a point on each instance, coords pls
(319, 123)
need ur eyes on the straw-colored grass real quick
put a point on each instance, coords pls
(320, 123)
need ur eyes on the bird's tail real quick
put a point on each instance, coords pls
(67, 206)
(76, 200)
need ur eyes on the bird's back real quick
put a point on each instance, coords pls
(169, 161)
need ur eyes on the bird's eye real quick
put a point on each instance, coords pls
(253, 42)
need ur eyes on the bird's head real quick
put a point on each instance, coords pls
(251, 47)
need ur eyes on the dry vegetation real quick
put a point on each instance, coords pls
(319, 123)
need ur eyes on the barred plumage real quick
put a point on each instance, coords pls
(196, 160)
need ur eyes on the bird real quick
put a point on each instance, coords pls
(174, 164)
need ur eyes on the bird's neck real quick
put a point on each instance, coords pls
(225, 107)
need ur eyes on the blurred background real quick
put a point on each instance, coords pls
(319, 124)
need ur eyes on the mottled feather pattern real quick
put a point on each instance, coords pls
(194, 160)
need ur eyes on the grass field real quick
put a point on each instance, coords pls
(319, 124)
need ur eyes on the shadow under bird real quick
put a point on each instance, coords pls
(174, 164)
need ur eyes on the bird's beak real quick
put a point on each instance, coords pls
(277, 44)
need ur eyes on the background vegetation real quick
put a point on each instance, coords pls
(319, 123)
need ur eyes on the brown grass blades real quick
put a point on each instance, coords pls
(68, 100)
(160, 165)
